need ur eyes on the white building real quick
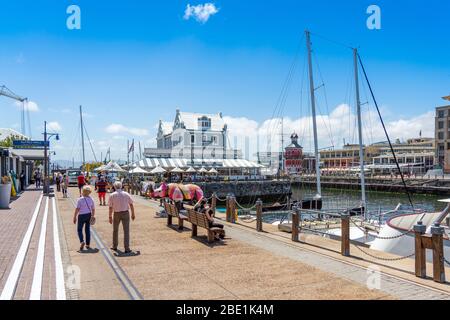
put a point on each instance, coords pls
(193, 136)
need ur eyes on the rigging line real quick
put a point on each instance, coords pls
(386, 133)
(333, 41)
(330, 134)
(75, 140)
(89, 139)
(286, 84)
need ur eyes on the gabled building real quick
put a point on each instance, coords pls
(193, 136)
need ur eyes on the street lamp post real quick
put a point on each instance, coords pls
(47, 137)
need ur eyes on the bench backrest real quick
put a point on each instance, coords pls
(171, 209)
(198, 218)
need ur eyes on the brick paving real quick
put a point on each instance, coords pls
(13, 226)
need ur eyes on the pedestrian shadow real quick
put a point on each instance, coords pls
(89, 251)
(121, 254)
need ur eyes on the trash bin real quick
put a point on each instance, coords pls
(5, 195)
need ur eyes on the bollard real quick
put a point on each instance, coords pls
(233, 209)
(420, 265)
(295, 218)
(259, 205)
(437, 235)
(345, 234)
(214, 202)
(227, 206)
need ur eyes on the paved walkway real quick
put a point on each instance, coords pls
(30, 258)
(172, 265)
(38, 252)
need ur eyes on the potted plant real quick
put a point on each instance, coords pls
(5, 192)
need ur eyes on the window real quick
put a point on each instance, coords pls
(441, 125)
(204, 138)
(214, 139)
(204, 123)
(441, 114)
(192, 138)
(440, 135)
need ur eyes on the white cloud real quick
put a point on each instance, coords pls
(54, 126)
(201, 12)
(333, 129)
(29, 105)
(119, 128)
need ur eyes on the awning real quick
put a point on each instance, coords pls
(172, 163)
(29, 154)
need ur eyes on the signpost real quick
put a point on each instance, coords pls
(30, 144)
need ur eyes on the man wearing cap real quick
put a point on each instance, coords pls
(120, 203)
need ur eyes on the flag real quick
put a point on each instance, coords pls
(131, 147)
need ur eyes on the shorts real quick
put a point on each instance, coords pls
(80, 186)
(102, 194)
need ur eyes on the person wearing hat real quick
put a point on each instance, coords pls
(85, 216)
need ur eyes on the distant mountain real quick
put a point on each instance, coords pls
(65, 164)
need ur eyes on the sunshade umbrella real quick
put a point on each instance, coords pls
(202, 170)
(113, 167)
(177, 170)
(191, 170)
(138, 170)
(158, 170)
(213, 171)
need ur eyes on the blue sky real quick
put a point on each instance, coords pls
(134, 62)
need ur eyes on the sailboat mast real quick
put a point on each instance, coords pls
(313, 111)
(82, 135)
(361, 148)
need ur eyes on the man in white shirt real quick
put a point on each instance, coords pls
(119, 204)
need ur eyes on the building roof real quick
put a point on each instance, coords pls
(29, 154)
(190, 120)
(6, 132)
(166, 127)
(170, 163)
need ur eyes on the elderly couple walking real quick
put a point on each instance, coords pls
(120, 203)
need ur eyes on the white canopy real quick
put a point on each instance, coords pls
(191, 170)
(170, 163)
(111, 167)
(213, 171)
(177, 170)
(138, 170)
(158, 170)
(202, 170)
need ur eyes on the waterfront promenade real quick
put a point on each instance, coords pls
(169, 264)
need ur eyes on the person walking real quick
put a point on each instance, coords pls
(120, 203)
(37, 178)
(84, 212)
(58, 182)
(81, 182)
(22, 181)
(64, 185)
(100, 186)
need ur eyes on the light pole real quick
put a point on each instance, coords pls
(47, 137)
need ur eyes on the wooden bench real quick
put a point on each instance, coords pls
(172, 212)
(198, 219)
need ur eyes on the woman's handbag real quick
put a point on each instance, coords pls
(92, 221)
